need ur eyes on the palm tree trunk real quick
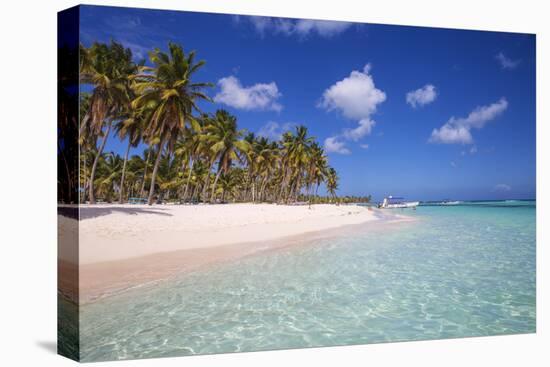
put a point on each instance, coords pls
(82, 194)
(124, 171)
(206, 183)
(284, 183)
(96, 160)
(155, 170)
(179, 190)
(262, 188)
(297, 188)
(316, 191)
(247, 187)
(194, 192)
(281, 188)
(205, 188)
(188, 179)
(144, 174)
(251, 183)
(215, 183)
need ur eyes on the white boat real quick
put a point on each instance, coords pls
(392, 202)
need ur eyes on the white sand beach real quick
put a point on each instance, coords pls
(126, 245)
(116, 232)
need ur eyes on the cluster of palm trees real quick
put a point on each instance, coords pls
(191, 156)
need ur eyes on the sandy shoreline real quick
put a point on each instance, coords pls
(117, 232)
(122, 246)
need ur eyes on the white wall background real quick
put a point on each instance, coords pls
(28, 180)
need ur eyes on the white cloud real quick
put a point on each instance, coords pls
(458, 130)
(364, 146)
(262, 24)
(260, 96)
(505, 62)
(453, 164)
(422, 96)
(334, 145)
(364, 128)
(502, 187)
(448, 134)
(274, 130)
(356, 98)
(300, 27)
(325, 28)
(481, 115)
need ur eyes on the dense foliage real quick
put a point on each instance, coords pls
(190, 156)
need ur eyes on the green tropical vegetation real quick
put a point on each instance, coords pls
(191, 156)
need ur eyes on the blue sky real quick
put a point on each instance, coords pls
(424, 113)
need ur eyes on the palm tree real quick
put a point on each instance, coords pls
(106, 68)
(199, 176)
(190, 146)
(331, 182)
(169, 175)
(167, 89)
(156, 105)
(266, 160)
(296, 156)
(86, 157)
(250, 138)
(135, 173)
(130, 129)
(317, 167)
(108, 174)
(146, 158)
(87, 146)
(225, 142)
(230, 183)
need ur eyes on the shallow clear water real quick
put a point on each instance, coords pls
(459, 271)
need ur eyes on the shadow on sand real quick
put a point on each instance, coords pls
(98, 211)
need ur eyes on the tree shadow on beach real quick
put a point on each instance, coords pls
(98, 211)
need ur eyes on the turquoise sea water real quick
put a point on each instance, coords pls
(458, 271)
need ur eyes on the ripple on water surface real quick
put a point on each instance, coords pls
(457, 272)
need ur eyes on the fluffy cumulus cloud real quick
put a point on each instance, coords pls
(274, 130)
(363, 128)
(505, 62)
(422, 96)
(300, 27)
(449, 134)
(334, 144)
(260, 96)
(502, 187)
(356, 98)
(458, 130)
